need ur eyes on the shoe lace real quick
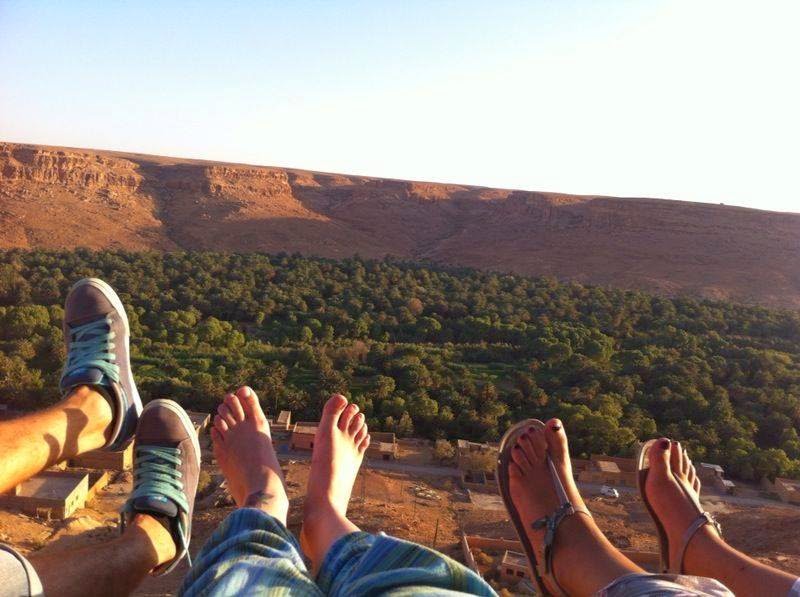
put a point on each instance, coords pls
(92, 346)
(157, 473)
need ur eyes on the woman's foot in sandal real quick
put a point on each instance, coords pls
(673, 490)
(577, 538)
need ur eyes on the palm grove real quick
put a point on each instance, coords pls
(428, 351)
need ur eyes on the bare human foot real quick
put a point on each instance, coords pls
(339, 445)
(577, 538)
(244, 452)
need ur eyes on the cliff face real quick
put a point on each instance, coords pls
(31, 164)
(64, 198)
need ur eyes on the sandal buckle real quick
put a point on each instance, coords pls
(713, 522)
(541, 523)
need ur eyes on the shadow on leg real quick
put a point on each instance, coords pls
(76, 425)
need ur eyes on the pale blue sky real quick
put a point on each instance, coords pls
(694, 100)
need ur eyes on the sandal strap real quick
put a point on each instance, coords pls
(703, 519)
(551, 522)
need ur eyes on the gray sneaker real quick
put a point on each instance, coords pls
(166, 469)
(97, 336)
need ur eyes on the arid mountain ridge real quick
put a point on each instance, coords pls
(53, 198)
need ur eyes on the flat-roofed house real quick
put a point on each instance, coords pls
(625, 465)
(708, 471)
(787, 490)
(514, 565)
(580, 464)
(303, 435)
(55, 494)
(479, 480)
(607, 472)
(383, 445)
(467, 452)
(283, 422)
(713, 475)
(121, 460)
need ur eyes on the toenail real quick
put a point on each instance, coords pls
(556, 426)
(665, 444)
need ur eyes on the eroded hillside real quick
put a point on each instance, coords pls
(63, 198)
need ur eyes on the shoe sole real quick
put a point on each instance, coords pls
(116, 302)
(184, 418)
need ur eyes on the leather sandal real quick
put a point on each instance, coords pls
(703, 517)
(541, 571)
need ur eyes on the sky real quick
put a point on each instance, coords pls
(696, 100)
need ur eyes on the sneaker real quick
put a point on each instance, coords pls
(97, 336)
(166, 469)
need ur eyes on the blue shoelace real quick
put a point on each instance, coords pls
(92, 347)
(157, 474)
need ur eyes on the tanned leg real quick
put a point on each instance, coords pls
(114, 567)
(339, 446)
(80, 423)
(707, 553)
(244, 452)
(584, 561)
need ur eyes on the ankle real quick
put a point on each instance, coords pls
(322, 527)
(322, 511)
(80, 423)
(315, 511)
(581, 540)
(696, 560)
(153, 538)
(96, 409)
(274, 504)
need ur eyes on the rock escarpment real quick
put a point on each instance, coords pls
(54, 197)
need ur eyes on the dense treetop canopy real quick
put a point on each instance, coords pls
(428, 351)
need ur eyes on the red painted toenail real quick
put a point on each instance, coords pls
(557, 426)
(665, 444)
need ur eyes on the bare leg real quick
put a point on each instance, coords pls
(79, 423)
(243, 449)
(578, 539)
(114, 567)
(707, 554)
(339, 447)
